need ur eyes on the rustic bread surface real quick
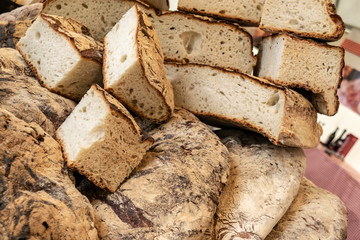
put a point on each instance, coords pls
(304, 18)
(134, 69)
(303, 64)
(314, 214)
(38, 199)
(233, 99)
(174, 192)
(264, 180)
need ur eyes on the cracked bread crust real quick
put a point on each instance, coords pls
(38, 198)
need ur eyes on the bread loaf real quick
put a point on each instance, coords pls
(305, 64)
(304, 18)
(264, 180)
(245, 12)
(314, 214)
(174, 192)
(234, 99)
(38, 199)
(134, 69)
(11, 62)
(72, 65)
(162, 5)
(101, 140)
(183, 37)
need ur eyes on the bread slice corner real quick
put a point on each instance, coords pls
(101, 140)
(62, 55)
(134, 69)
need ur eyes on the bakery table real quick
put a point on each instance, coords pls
(329, 174)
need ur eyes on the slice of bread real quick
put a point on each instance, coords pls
(62, 55)
(134, 69)
(304, 64)
(314, 214)
(182, 36)
(234, 99)
(98, 16)
(242, 11)
(101, 140)
(305, 18)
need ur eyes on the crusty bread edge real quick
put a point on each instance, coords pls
(116, 111)
(165, 99)
(303, 86)
(336, 35)
(240, 20)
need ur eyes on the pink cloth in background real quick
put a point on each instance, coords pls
(325, 173)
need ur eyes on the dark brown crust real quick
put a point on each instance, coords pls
(304, 86)
(92, 51)
(337, 20)
(218, 16)
(143, 28)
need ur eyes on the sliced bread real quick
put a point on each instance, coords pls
(305, 64)
(243, 11)
(314, 214)
(235, 99)
(305, 18)
(101, 140)
(134, 69)
(62, 55)
(182, 36)
(264, 180)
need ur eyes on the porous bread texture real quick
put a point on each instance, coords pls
(264, 180)
(182, 36)
(305, 64)
(98, 15)
(235, 99)
(314, 214)
(187, 39)
(243, 11)
(134, 69)
(101, 140)
(305, 18)
(62, 56)
(162, 5)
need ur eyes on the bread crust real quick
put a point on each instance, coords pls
(219, 16)
(162, 86)
(299, 124)
(334, 36)
(313, 93)
(116, 109)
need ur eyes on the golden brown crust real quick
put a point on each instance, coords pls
(77, 34)
(146, 36)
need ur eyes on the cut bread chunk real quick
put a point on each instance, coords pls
(101, 140)
(62, 55)
(305, 64)
(162, 5)
(264, 180)
(314, 214)
(235, 99)
(305, 18)
(134, 69)
(243, 11)
(187, 39)
(182, 36)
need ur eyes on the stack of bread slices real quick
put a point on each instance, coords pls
(149, 167)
